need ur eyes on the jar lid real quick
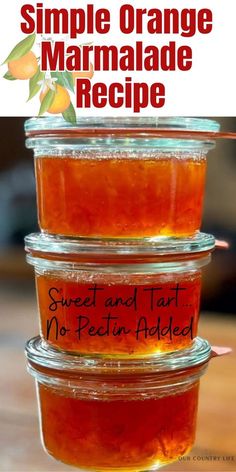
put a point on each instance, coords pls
(120, 125)
(163, 133)
(42, 245)
(41, 355)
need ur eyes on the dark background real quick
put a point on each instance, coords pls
(18, 215)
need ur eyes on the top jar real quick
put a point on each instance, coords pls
(120, 177)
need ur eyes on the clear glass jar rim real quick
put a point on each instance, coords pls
(175, 123)
(41, 245)
(43, 356)
(159, 132)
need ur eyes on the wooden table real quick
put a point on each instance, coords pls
(20, 448)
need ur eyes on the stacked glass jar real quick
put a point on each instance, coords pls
(118, 268)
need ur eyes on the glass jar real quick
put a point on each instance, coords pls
(117, 297)
(117, 416)
(120, 177)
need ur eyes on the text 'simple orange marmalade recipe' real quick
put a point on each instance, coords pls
(128, 57)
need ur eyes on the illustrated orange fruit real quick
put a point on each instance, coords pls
(84, 74)
(25, 67)
(60, 102)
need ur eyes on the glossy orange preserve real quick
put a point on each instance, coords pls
(120, 197)
(99, 314)
(129, 435)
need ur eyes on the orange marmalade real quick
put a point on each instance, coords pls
(118, 298)
(120, 197)
(143, 316)
(117, 415)
(128, 434)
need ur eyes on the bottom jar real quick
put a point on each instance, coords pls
(133, 415)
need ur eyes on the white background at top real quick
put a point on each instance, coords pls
(209, 88)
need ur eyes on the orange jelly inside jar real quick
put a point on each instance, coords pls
(124, 177)
(132, 435)
(118, 298)
(143, 316)
(117, 416)
(120, 197)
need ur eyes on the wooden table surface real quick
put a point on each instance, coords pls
(20, 448)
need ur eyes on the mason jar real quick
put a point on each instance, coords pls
(117, 416)
(120, 297)
(120, 177)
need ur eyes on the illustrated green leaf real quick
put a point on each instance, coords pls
(34, 87)
(65, 79)
(8, 76)
(69, 114)
(21, 48)
(47, 101)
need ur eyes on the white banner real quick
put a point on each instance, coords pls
(174, 57)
